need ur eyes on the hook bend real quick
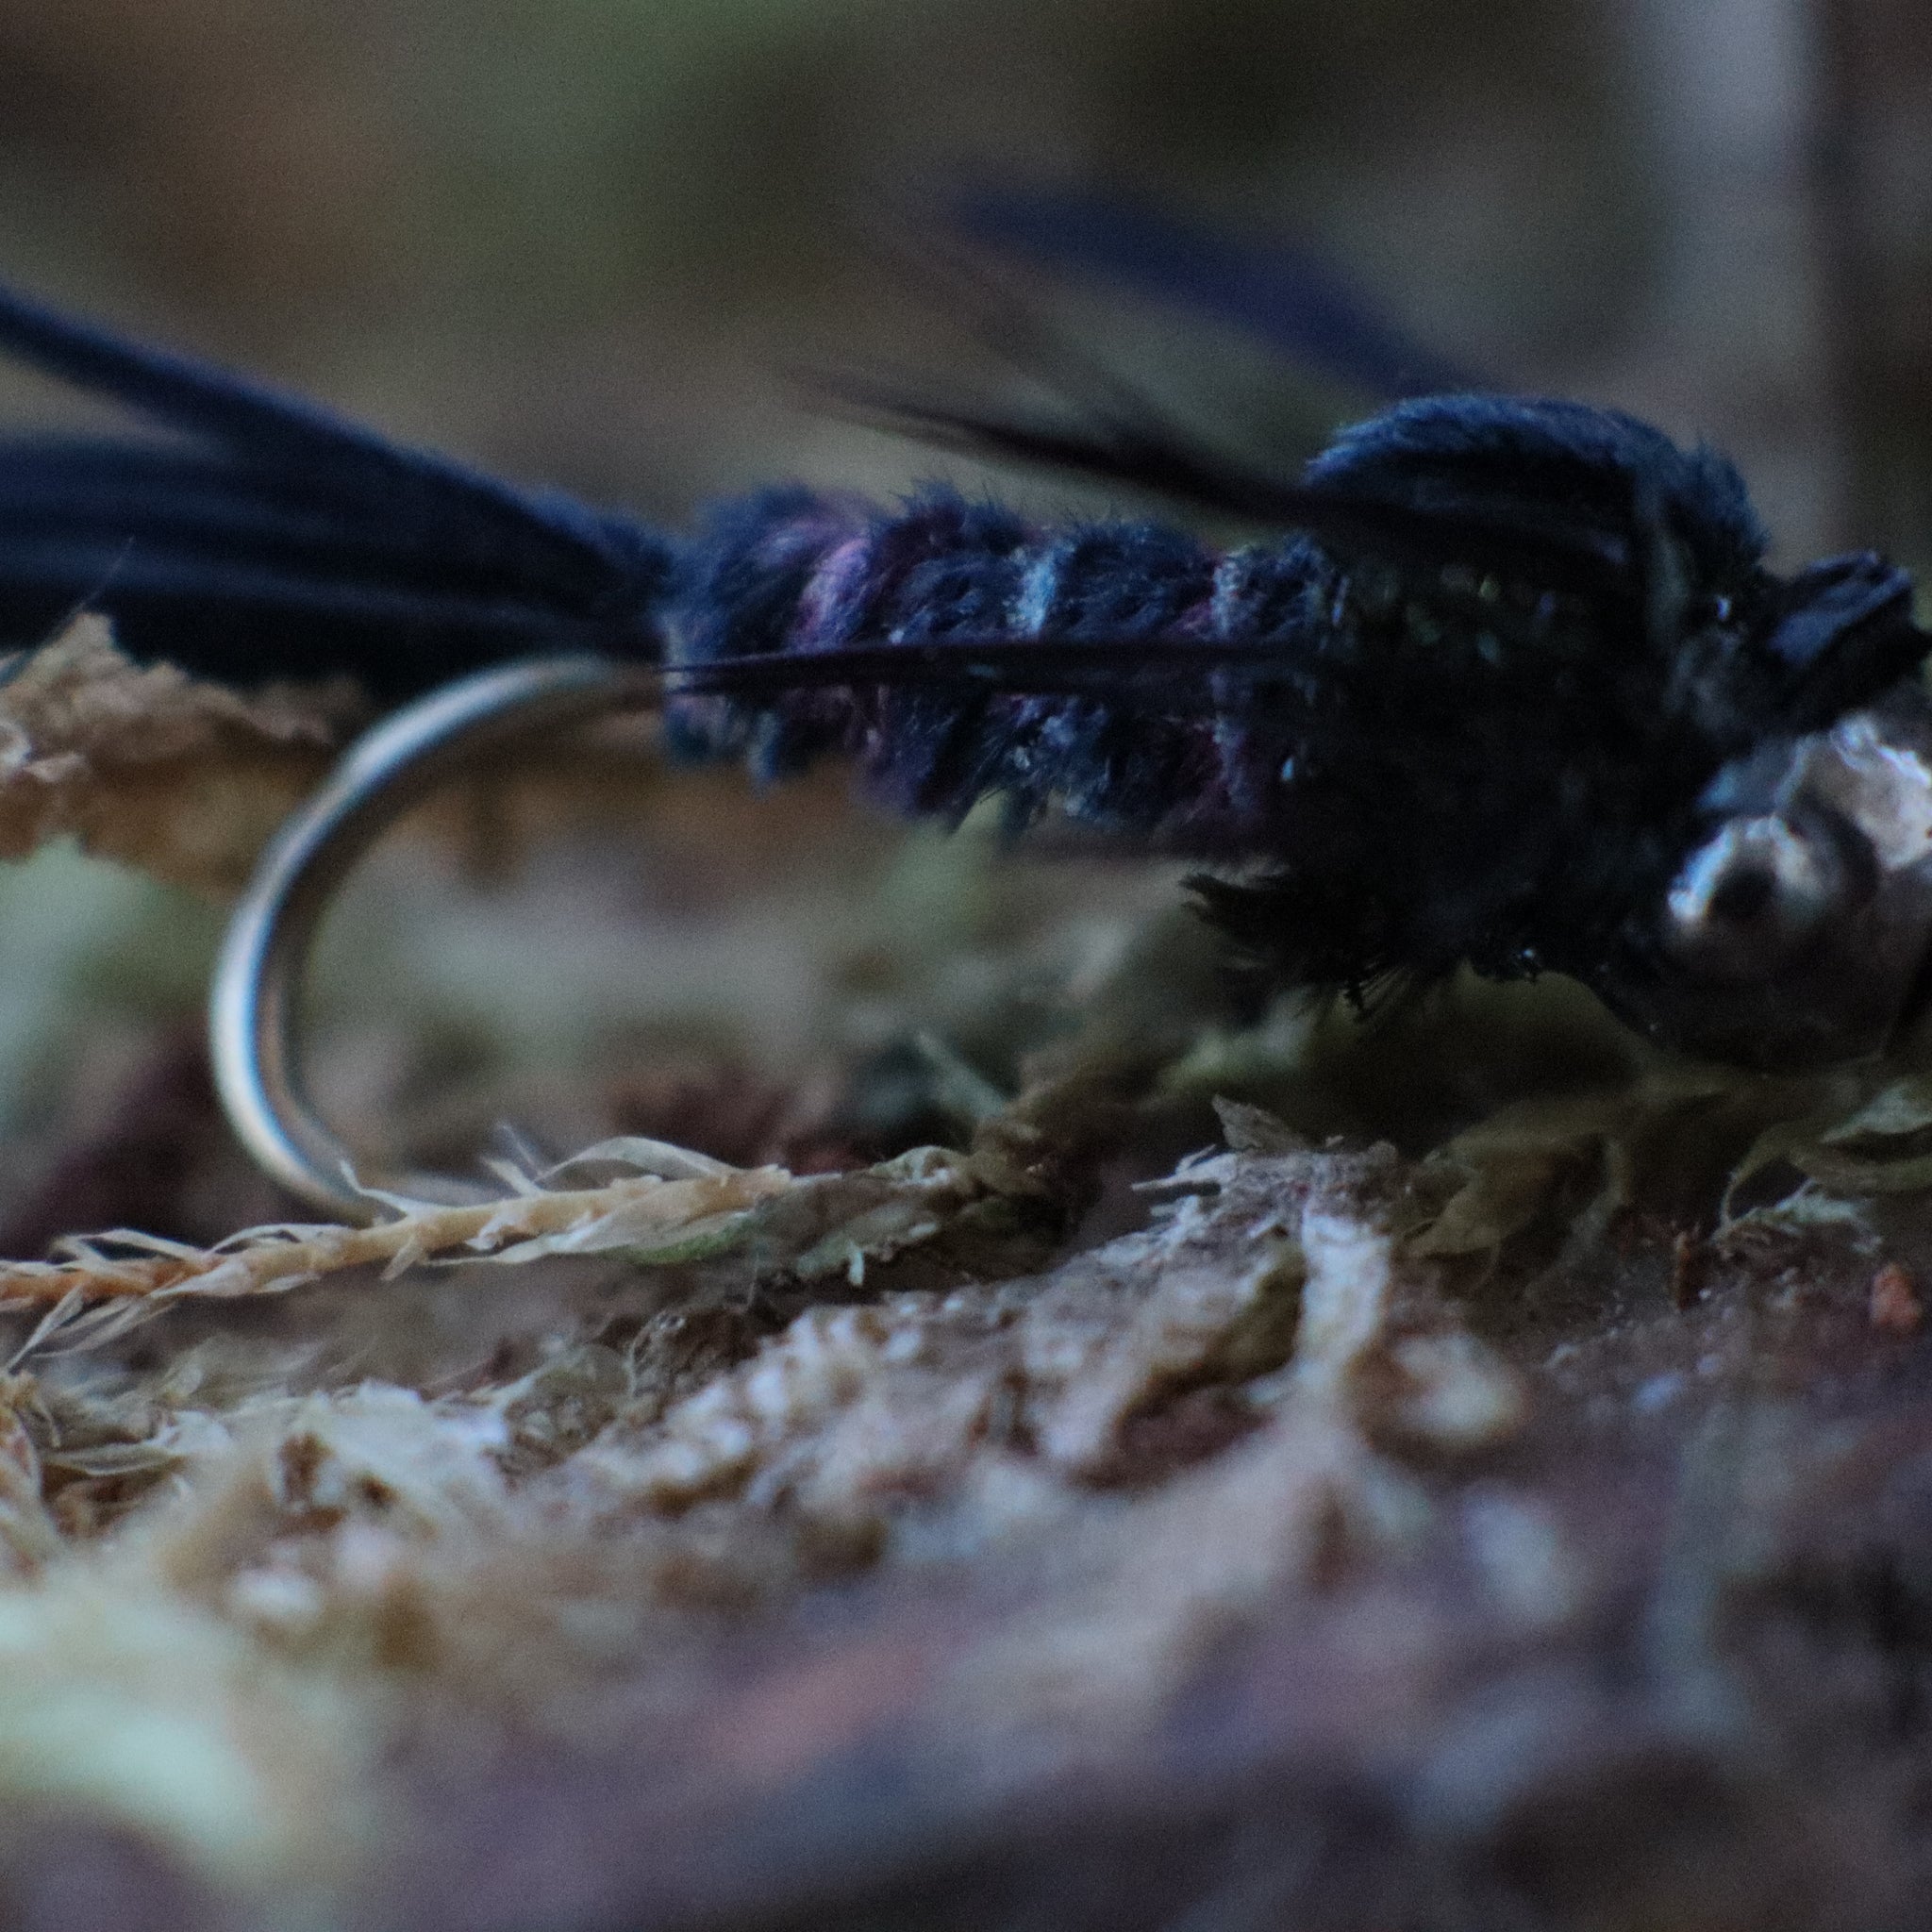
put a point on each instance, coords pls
(257, 981)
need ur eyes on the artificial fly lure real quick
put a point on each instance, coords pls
(1506, 685)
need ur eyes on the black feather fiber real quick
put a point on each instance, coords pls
(273, 539)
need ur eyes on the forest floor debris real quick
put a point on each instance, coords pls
(1524, 1523)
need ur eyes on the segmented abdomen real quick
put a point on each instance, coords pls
(794, 572)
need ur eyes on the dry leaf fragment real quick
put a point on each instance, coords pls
(184, 778)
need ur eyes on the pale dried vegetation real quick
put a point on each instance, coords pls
(492, 1455)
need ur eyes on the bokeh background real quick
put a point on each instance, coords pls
(592, 243)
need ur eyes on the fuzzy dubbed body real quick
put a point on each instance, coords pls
(1431, 763)
(1502, 691)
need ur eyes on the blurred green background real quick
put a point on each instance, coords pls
(586, 241)
(577, 237)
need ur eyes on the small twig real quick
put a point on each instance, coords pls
(656, 1219)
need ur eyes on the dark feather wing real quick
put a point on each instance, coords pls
(1287, 296)
(1109, 430)
(269, 537)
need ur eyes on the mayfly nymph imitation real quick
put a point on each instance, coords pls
(1510, 686)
